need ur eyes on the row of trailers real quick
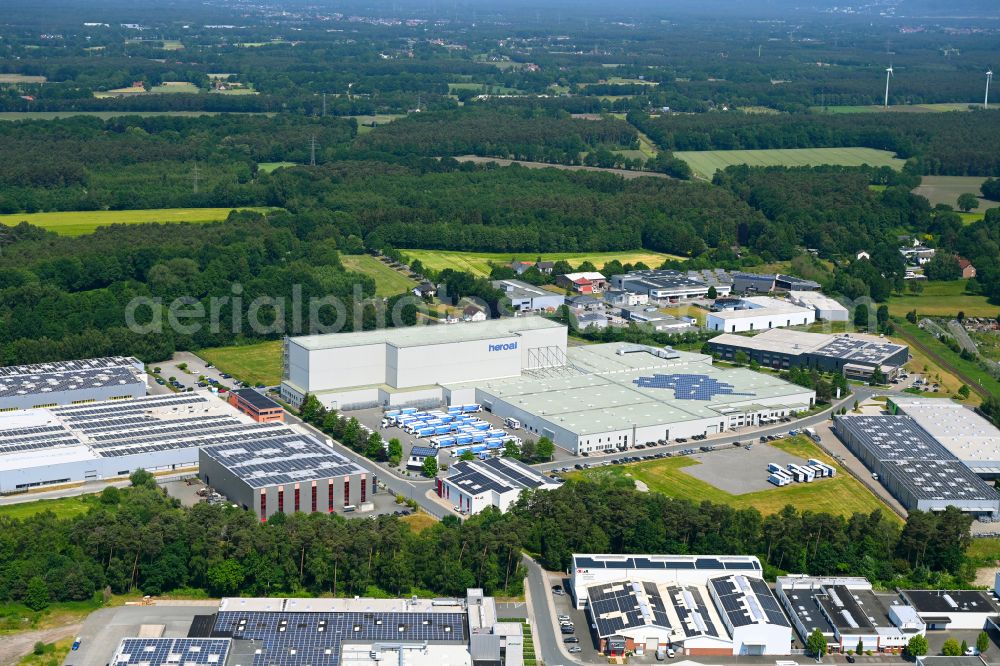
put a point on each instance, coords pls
(812, 470)
(458, 428)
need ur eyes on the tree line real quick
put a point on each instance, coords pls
(137, 538)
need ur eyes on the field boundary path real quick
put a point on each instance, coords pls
(624, 173)
(15, 646)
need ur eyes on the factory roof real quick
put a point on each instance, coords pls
(257, 399)
(661, 279)
(284, 458)
(602, 390)
(814, 299)
(919, 462)
(420, 335)
(747, 601)
(171, 652)
(620, 606)
(966, 434)
(42, 378)
(758, 306)
(501, 475)
(952, 602)
(667, 562)
(518, 290)
(853, 347)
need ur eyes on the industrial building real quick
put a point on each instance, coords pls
(71, 382)
(527, 298)
(284, 471)
(476, 484)
(967, 435)
(853, 355)
(585, 320)
(330, 632)
(826, 307)
(105, 440)
(613, 396)
(707, 605)
(256, 405)
(622, 298)
(652, 318)
(587, 282)
(954, 609)
(666, 285)
(846, 610)
(759, 313)
(919, 471)
(755, 283)
(400, 366)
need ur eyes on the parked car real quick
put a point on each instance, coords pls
(76, 643)
(850, 659)
(571, 639)
(574, 649)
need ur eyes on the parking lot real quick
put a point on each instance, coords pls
(191, 372)
(742, 470)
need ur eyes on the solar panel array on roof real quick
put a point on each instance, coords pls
(289, 458)
(171, 652)
(42, 378)
(856, 349)
(617, 606)
(689, 387)
(692, 611)
(747, 601)
(499, 475)
(317, 638)
(256, 398)
(665, 562)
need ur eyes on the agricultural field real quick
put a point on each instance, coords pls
(478, 263)
(841, 495)
(78, 223)
(388, 282)
(21, 78)
(946, 190)
(120, 92)
(898, 108)
(174, 87)
(942, 299)
(705, 163)
(258, 363)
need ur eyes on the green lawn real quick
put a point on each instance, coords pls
(66, 507)
(387, 281)
(705, 163)
(479, 262)
(841, 495)
(77, 223)
(268, 167)
(941, 299)
(169, 87)
(258, 363)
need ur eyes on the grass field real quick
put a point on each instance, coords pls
(258, 363)
(77, 223)
(941, 299)
(268, 167)
(841, 495)
(21, 78)
(898, 108)
(479, 262)
(65, 507)
(946, 189)
(705, 163)
(419, 521)
(387, 281)
(174, 87)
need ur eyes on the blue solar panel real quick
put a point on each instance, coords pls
(689, 387)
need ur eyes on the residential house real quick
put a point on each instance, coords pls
(968, 270)
(473, 313)
(590, 282)
(424, 290)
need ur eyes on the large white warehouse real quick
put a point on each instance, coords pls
(759, 313)
(400, 366)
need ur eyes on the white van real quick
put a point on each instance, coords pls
(512, 423)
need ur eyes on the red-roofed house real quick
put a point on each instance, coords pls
(968, 270)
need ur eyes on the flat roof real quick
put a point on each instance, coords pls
(817, 300)
(42, 378)
(852, 347)
(519, 289)
(761, 306)
(667, 562)
(431, 334)
(601, 390)
(283, 458)
(661, 279)
(966, 434)
(952, 602)
(257, 399)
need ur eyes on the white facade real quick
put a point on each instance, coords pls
(358, 368)
(760, 313)
(826, 308)
(475, 485)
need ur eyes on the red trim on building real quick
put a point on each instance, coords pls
(297, 498)
(330, 497)
(281, 499)
(314, 497)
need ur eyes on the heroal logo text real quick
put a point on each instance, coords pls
(503, 346)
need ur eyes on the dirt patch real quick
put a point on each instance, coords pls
(15, 646)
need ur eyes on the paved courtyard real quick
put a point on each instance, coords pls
(738, 471)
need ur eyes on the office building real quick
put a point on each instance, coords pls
(256, 405)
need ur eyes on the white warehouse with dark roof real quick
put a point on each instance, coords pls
(71, 382)
(476, 484)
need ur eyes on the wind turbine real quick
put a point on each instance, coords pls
(989, 77)
(888, 75)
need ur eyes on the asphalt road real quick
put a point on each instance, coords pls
(549, 647)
